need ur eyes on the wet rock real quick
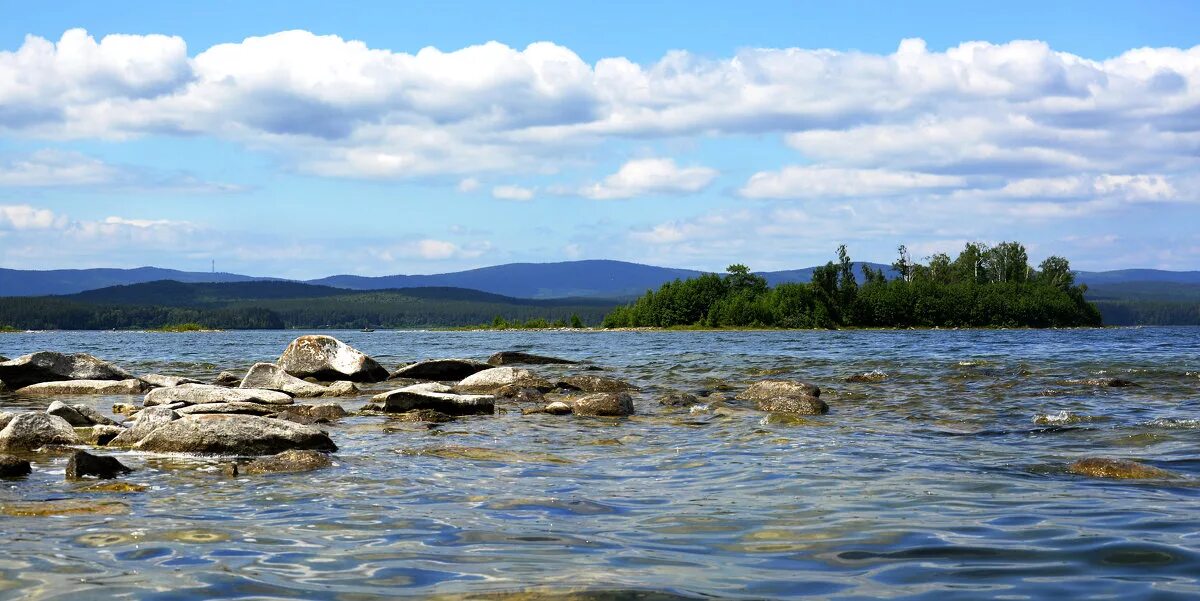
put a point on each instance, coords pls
(198, 394)
(161, 381)
(327, 358)
(519, 358)
(78, 415)
(98, 435)
(234, 408)
(440, 369)
(268, 376)
(767, 389)
(520, 394)
(148, 420)
(418, 397)
(558, 408)
(868, 377)
(132, 386)
(234, 435)
(1109, 382)
(287, 462)
(678, 399)
(29, 431)
(14, 467)
(83, 464)
(590, 383)
(124, 409)
(49, 366)
(225, 378)
(5, 417)
(1123, 469)
(603, 404)
(56, 507)
(319, 413)
(495, 378)
(423, 415)
(803, 405)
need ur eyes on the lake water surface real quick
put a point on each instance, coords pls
(934, 483)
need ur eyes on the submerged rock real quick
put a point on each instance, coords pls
(198, 394)
(234, 435)
(678, 399)
(518, 357)
(29, 431)
(439, 369)
(49, 366)
(148, 420)
(803, 405)
(14, 467)
(589, 383)
(767, 389)
(418, 397)
(131, 386)
(423, 415)
(268, 376)
(78, 415)
(287, 462)
(327, 358)
(1123, 469)
(868, 377)
(604, 404)
(83, 464)
(161, 381)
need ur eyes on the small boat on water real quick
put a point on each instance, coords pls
(367, 330)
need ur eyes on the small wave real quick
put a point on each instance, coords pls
(1061, 418)
(1174, 423)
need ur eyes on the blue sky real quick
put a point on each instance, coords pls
(303, 139)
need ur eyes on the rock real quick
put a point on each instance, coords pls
(78, 415)
(148, 420)
(414, 397)
(439, 369)
(225, 378)
(342, 388)
(234, 435)
(518, 357)
(198, 394)
(83, 464)
(161, 381)
(3, 386)
(287, 462)
(604, 404)
(678, 399)
(558, 408)
(28, 431)
(5, 417)
(1124, 469)
(868, 377)
(49, 366)
(14, 467)
(321, 412)
(327, 358)
(423, 415)
(132, 386)
(234, 408)
(520, 394)
(767, 389)
(595, 384)
(803, 405)
(498, 377)
(124, 409)
(269, 376)
(98, 435)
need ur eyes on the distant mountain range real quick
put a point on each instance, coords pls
(595, 278)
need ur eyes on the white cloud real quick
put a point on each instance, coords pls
(26, 217)
(468, 185)
(1133, 188)
(509, 192)
(642, 177)
(55, 168)
(832, 182)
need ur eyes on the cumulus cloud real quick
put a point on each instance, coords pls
(26, 217)
(643, 177)
(510, 192)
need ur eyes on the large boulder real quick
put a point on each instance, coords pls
(424, 397)
(199, 394)
(49, 366)
(161, 381)
(79, 415)
(14, 467)
(588, 383)
(83, 464)
(520, 358)
(442, 370)
(28, 431)
(803, 405)
(604, 404)
(767, 389)
(132, 386)
(327, 358)
(269, 376)
(148, 420)
(234, 435)
(495, 378)
(287, 462)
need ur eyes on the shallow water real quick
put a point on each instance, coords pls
(944, 480)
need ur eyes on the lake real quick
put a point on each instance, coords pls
(947, 479)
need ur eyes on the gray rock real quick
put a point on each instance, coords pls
(518, 357)
(14, 467)
(98, 435)
(495, 378)
(415, 397)
(234, 435)
(198, 394)
(318, 413)
(226, 378)
(269, 376)
(5, 417)
(78, 415)
(234, 408)
(133, 386)
(327, 358)
(588, 383)
(678, 399)
(558, 408)
(49, 366)
(148, 420)
(803, 405)
(29, 431)
(287, 462)
(426, 416)
(520, 394)
(161, 381)
(439, 369)
(768, 389)
(604, 404)
(83, 464)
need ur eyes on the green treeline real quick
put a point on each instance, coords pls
(982, 287)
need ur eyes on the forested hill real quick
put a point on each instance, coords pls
(276, 305)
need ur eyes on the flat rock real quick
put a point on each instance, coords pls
(83, 464)
(78, 415)
(603, 404)
(198, 394)
(327, 358)
(268, 376)
(49, 366)
(589, 383)
(1121, 469)
(767, 389)
(14, 467)
(521, 358)
(319, 412)
(132, 386)
(428, 416)
(417, 397)
(234, 408)
(439, 369)
(492, 379)
(147, 421)
(287, 462)
(802, 405)
(161, 381)
(234, 435)
(29, 431)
